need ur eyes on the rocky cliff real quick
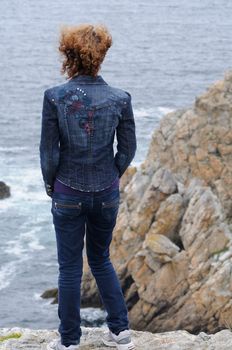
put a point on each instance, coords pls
(26, 339)
(172, 245)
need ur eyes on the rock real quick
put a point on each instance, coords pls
(172, 244)
(127, 177)
(168, 217)
(160, 247)
(4, 190)
(91, 340)
(87, 300)
(50, 293)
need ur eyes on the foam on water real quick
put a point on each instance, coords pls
(144, 112)
(22, 248)
(153, 113)
(9, 270)
(37, 296)
(13, 148)
(26, 186)
(164, 110)
(41, 301)
(15, 247)
(31, 239)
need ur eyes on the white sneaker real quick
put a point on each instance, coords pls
(56, 345)
(122, 341)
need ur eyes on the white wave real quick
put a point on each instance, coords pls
(144, 112)
(37, 296)
(42, 301)
(5, 204)
(22, 249)
(25, 179)
(165, 110)
(9, 270)
(31, 239)
(158, 112)
(25, 244)
(15, 247)
(13, 148)
(48, 264)
(34, 245)
(26, 186)
(91, 313)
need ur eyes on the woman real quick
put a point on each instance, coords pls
(81, 174)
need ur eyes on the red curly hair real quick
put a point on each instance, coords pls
(84, 48)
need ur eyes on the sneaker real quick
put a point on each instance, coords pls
(122, 341)
(56, 345)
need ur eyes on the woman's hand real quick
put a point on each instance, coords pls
(49, 189)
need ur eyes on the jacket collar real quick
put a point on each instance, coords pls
(88, 79)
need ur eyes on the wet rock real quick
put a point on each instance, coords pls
(51, 294)
(4, 190)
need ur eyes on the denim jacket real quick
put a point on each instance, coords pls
(79, 120)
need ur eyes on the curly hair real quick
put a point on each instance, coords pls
(84, 48)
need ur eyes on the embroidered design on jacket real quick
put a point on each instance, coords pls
(77, 104)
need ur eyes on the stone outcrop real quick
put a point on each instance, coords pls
(172, 244)
(91, 340)
(4, 190)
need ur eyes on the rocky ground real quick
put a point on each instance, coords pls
(91, 340)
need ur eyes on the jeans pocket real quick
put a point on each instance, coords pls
(109, 208)
(64, 207)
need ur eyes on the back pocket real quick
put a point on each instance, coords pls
(63, 207)
(109, 209)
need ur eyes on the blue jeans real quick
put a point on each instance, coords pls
(94, 213)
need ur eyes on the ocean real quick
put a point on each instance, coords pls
(164, 53)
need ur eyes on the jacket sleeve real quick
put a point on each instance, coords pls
(126, 137)
(49, 142)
